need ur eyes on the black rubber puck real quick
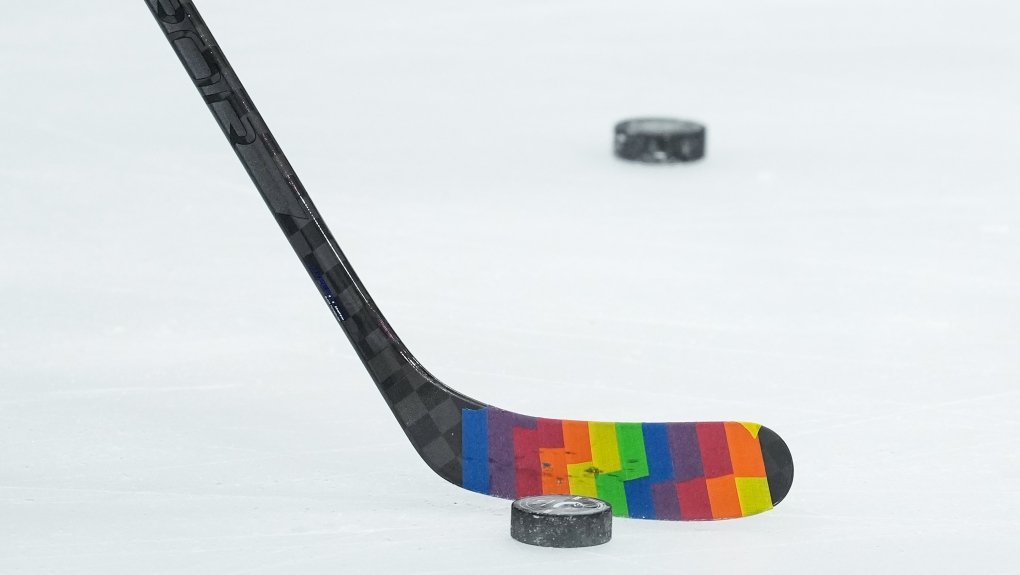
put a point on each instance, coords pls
(561, 521)
(659, 140)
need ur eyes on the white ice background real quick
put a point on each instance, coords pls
(844, 267)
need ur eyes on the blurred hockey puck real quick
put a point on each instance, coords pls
(659, 140)
(561, 521)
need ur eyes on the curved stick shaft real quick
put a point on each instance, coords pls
(410, 391)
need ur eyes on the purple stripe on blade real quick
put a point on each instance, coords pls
(666, 501)
(683, 446)
(502, 478)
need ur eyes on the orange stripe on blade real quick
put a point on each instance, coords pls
(745, 451)
(554, 470)
(576, 442)
(722, 493)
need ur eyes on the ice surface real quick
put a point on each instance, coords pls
(844, 266)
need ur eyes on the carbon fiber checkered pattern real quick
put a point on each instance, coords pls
(428, 411)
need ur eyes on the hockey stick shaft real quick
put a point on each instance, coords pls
(428, 412)
(246, 131)
(274, 177)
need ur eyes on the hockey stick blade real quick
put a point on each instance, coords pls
(677, 471)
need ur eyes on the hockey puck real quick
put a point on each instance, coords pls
(561, 521)
(659, 140)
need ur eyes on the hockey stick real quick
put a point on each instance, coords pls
(677, 471)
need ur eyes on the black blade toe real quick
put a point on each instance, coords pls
(778, 463)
